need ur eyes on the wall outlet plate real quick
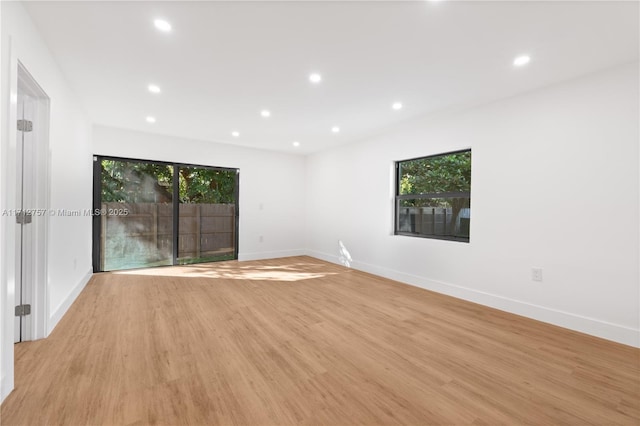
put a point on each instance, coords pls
(536, 274)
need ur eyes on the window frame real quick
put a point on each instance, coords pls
(398, 198)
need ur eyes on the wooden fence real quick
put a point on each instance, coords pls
(434, 221)
(144, 236)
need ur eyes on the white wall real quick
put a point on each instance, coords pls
(271, 184)
(69, 239)
(554, 185)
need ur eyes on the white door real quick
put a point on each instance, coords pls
(17, 329)
(32, 189)
(25, 218)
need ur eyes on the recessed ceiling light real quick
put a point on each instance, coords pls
(335, 129)
(397, 106)
(153, 88)
(162, 25)
(265, 113)
(296, 144)
(521, 60)
(151, 119)
(315, 78)
(235, 134)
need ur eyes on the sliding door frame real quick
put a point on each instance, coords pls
(97, 203)
(176, 215)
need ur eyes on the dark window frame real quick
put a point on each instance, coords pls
(97, 203)
(398, 198)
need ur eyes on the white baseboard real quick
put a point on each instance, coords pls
(67, 302)
(270, 254)
(606, 330)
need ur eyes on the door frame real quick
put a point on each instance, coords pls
(34, 246)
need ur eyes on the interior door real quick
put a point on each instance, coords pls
(25, 215)
(31, 204)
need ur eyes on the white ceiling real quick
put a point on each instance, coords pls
(225, 61)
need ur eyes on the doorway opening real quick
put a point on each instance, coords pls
(151, 213)
(32, 206)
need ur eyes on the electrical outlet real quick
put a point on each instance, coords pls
(536, 274)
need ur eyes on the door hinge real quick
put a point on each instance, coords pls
(23, 217)
(23, 310)
(25, 125)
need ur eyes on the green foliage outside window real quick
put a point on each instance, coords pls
(210, 186)
(141, 182)
(433, 175)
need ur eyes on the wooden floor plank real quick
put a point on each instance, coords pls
(298, 341)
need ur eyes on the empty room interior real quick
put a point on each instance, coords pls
(320, 212)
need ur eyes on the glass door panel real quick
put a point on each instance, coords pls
(207, 214)
(136, 214)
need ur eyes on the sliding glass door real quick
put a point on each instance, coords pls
(207, 230)
(148, 214)
(135, 214)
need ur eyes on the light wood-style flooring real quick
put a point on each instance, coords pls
(300, 341)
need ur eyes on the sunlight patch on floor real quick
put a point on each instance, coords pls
(293, 272)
